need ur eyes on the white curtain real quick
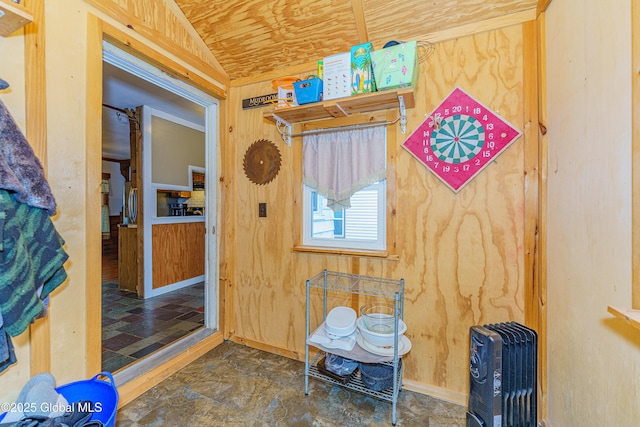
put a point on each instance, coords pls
(338, 164)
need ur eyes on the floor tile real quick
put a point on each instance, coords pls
(119, 341)
(133, 327)
(234, 385)
(147, 350)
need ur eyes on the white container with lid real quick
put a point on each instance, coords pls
(340, 322)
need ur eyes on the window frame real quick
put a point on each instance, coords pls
(337, 243)
(393, 136)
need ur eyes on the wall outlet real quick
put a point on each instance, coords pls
(262, 210)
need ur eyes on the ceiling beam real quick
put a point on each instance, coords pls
(361, 24)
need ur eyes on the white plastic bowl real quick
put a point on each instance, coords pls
(340, 322)
(380, 339)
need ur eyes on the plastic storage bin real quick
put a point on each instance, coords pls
(308, 91)
(102, 394)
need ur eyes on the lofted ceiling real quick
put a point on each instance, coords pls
(251, 37)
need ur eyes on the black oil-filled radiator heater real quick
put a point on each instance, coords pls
(503, 376)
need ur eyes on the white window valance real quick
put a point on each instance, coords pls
(338, 164)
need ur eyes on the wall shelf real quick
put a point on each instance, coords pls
(627, 314)
(13, 16)
(342, 107)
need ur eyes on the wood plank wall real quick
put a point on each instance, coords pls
(165, 24)
(463, 256)
(181, 247)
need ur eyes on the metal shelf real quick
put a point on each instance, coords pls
(331, 281)
(357, 284)
(355, 383)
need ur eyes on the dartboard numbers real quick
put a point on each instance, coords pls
(459, 138)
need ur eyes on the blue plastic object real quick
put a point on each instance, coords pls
(308, 91)
(103, 395)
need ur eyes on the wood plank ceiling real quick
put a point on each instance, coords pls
(252, 37)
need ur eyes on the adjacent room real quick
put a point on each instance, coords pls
(322, 213)
(137, 321)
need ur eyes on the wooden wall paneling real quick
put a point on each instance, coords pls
(157, 21)
(94, 172)
(635, 78)
(177, 251)
(148, 54)
(541, 258)
(435, 36)
(220, 229)
(264, 278)
(542, 6)
(535, 208)
(296, 166)
(137, 179)
(229, 175)
(462, 255)
(392, 204)
(36, 133)
(531, 168)
(128, 259)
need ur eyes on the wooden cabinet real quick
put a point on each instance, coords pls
(177, 251)
(128, 276)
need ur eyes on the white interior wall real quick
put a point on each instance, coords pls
(593, 358)
(116, 186)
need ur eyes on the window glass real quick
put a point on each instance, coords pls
(362, 226)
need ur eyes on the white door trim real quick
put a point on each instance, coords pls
(141, 69)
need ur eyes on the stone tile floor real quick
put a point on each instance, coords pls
(235, 385)
(133, 328)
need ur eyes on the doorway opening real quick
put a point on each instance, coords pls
(139, 320)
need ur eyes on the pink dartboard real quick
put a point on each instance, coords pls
(459, 138)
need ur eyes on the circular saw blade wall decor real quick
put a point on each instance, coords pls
(261, 162)
(459, 139)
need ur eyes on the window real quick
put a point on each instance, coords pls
(362, 226)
